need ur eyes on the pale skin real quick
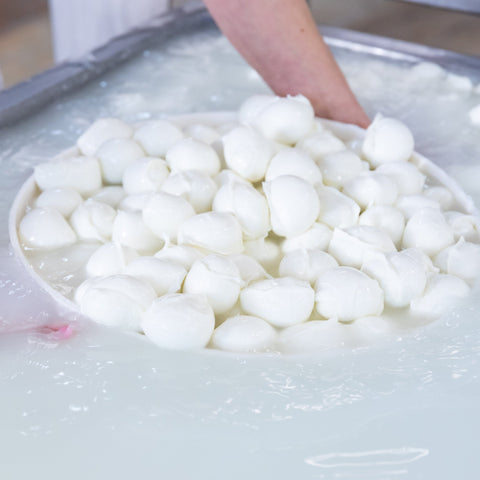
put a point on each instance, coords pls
(280, 39)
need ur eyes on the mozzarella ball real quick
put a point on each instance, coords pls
(292, 161)
(441, 292)
(111, 195)
(250, 270)
(227, 176)
(115, 156)
(64, 200)
(134, 203)
(409, 205)
(213, 231)
(386, 218)
(194, 186)
(339, 168)
(427, 72)
(474, 115)
(442, 195)
(190, 154)
(273, 301)
(293, 204)
(93, 220)
(218, 279)
(247, 153)
(157, 136)
(252, 106)
(45, 228)
(317, 145)
(145, 175)
(118, 300)
(109, 259)
(461, 259)
(101, 131)
(466, 226)
(387, 140)
(372, 188)
(401, 275)
(78, 173)
(244, 333)
(429, 231)
(460, 83)
(336, 209)
(130, 230)
(164, 276)
(316, 237)
(351, 245)
(408, 178)
(345, 293)
(179, 322)
(249, 207)
(265, 251)
(202, 133)
(164, 214)
(182, 254)
(306, 264)
(312, 336)
(285, 120)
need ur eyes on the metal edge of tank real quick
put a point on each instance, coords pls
(30, 95)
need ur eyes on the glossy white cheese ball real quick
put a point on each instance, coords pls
(386, 218)
(244, 333)
(316, 237)
(249, 268)
(111, 195)
(109, 259)
(93, 220)
(157, 136)
(82, 174)
(218, 279)
(179, 321)
(306, 264)
(402, 275)
(350, 245)
(442, 195)
(165, 276)
(247, 153)
(227, 176)
(460, 83)
(408, 178)
(130, 230)
(65, 200)
(45, 228)
(252, 106)
(442, 291)
(248, 205)
(466, 226)
(134, 203)
(115, 156)
(216, 232)
(461, 259)
(265, 251)
(190, 154)
(145, 175)
(165, 213)
(320, 144)
(100, 131)
(409, 205)
(339, 168)
(292, 161)
(387, 140)
(285, 120)
(293, 203)
(202, 133)
(194, 186)
(182, 254)
(372, 188)
(429, 231)
(336, 209)
(345, 293)
(118, 300)
(280, 301)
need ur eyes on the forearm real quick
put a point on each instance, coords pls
(281, 41)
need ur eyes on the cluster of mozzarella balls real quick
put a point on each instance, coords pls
(270, 233)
